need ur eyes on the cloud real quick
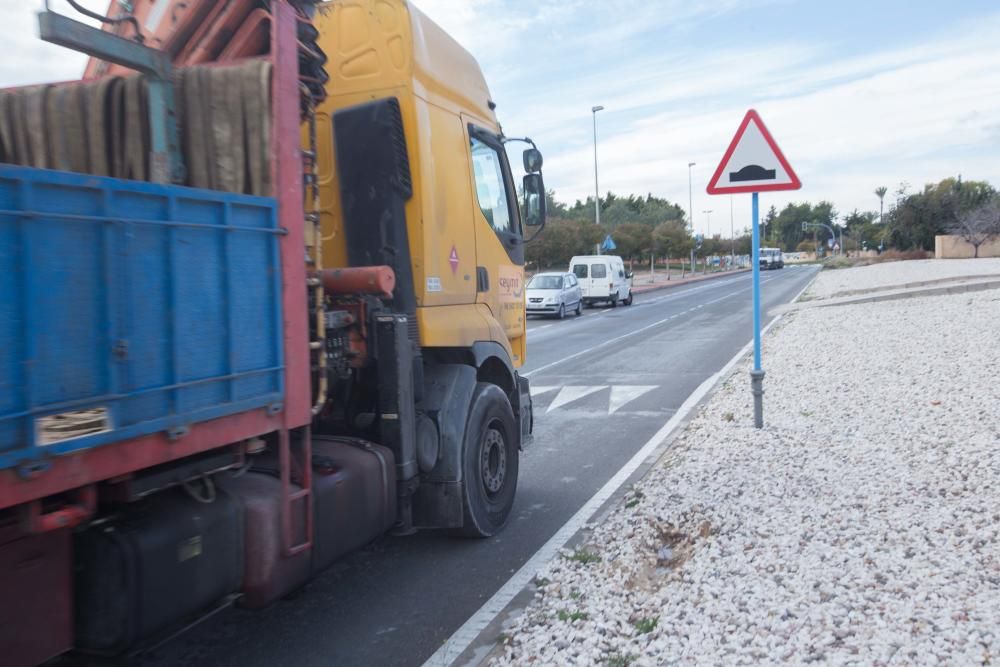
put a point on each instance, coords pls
(915, 113)
(849, 116)
(27, 59)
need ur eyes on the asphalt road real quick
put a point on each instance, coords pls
(603, 384)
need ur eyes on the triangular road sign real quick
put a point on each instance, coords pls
(753, 162)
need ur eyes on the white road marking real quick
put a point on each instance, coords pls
(570, 394)
(537, 391)
(621, 395)
(470, 630)
(675, 295)
(626, 335)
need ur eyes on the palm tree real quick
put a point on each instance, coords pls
(880, 193)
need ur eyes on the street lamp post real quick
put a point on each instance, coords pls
(690, 214)
(708, 231)
(597, 191)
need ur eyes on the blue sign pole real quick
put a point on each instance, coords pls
(756, 283)
(756, 375)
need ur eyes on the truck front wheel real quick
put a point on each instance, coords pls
(490, 462)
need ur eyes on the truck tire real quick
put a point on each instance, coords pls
(628, 300)
(489, 462)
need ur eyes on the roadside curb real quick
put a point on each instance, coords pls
(477, 642)
(680, 282)
(937, 282)
(892, 295)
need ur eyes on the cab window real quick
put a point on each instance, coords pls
(598, 271)
(490, 191)
(580, 270)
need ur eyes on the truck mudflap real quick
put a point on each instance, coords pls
(524, 409)
(448, 389)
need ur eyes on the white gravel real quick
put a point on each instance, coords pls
(892, 274)
(861, 526)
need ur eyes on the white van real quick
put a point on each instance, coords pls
(602, 278)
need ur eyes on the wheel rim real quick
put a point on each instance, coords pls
(493, 462)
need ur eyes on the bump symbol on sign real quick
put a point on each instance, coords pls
(453, 259)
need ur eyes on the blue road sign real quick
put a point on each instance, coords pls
(608, 244)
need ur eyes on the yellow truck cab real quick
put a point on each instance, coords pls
(413, 174)
(463, 221)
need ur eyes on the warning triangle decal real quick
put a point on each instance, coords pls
(753, 162)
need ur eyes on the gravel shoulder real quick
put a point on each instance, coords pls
(861, 526)
(897, 274)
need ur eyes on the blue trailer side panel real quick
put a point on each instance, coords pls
(150, 306)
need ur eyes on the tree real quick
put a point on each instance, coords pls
(862, 229)
(880, 193)
(917, 218)
(769, 226)
(617, 210)
(979, 225)
(560, 240)
(672, 239)
(744, 244)
(633, 240)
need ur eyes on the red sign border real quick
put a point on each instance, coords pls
(713, 187)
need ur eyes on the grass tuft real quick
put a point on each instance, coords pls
(646, 625)
(571, 616)
(620, 659)
(584, 556)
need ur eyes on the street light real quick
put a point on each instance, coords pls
(690, 213)
(597, 191)
(708, 231)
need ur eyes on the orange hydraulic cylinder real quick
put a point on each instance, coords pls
(379, 280)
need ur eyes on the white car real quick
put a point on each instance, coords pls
(554, 294)
(602, 279)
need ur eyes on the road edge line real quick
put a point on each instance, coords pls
(466, 635)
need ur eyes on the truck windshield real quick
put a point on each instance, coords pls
(545, 282)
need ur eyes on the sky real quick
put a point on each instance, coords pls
(857, 94)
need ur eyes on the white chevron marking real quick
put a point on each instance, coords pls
(570, 394)
(620, 395)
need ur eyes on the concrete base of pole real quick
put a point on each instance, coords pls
(757, 389)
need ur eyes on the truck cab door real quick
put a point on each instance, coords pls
(499, 236)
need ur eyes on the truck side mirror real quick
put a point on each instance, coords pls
(534, 200)
(532, 160)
